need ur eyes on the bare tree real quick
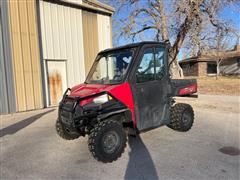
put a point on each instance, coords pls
(220, 47)
(182, 22)
(217, 49)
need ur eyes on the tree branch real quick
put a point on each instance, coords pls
(143, 29)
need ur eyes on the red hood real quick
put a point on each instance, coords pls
(122, 92)
(83, 90)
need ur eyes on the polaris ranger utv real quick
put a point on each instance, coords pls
(127, 91)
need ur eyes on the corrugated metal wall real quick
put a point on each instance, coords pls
(25, 53)
(90, 37)
(104, 31)
(7, 92)
(3, 87)
(70, 33)
(62, 39)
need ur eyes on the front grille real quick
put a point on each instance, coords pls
(66, 117)
(68, 104)
(65, 114)
(68, 110)
(69, 101)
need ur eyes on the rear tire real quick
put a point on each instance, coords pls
(63, 133)
(181, 117)
(107, 141)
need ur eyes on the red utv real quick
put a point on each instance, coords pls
(127, 91)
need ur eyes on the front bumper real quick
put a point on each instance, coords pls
(76, 117)
(67, 111)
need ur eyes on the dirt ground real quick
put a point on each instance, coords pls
(222, 85)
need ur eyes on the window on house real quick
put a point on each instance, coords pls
(211, 68)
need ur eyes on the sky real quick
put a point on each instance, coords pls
(231, 14)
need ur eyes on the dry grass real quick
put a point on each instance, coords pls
(222, 85)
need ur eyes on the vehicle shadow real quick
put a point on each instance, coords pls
(140, 164)
(12, 129)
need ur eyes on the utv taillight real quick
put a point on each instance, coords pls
(188, 90)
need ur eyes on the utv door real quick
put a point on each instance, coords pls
(151, 88)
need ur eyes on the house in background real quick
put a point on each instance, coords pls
(47, 46)
(205, 64)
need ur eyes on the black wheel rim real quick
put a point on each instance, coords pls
(186, 118)
(110, 142)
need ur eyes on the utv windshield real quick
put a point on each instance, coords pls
(110, 68)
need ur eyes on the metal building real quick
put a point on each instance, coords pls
(47, 46)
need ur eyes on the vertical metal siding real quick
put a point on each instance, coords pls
(7, 92)
(3, 80)
(90, 37)
(48, 30)
(111, 34)
(55, 31)
(25, 52)
(35, 56)
(104, 31)
(17, 56)
(79, 30)
(62, 39)
(68, 46)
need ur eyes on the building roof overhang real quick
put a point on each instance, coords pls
(91, 6)
(213, 56)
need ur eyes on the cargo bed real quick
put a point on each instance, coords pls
(184, 87)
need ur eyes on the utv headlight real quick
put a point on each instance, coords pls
(102, 99)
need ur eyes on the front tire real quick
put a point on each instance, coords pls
(63, 133)
(181, 117)
(107, 141)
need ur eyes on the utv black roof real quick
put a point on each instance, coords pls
(132, 45)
